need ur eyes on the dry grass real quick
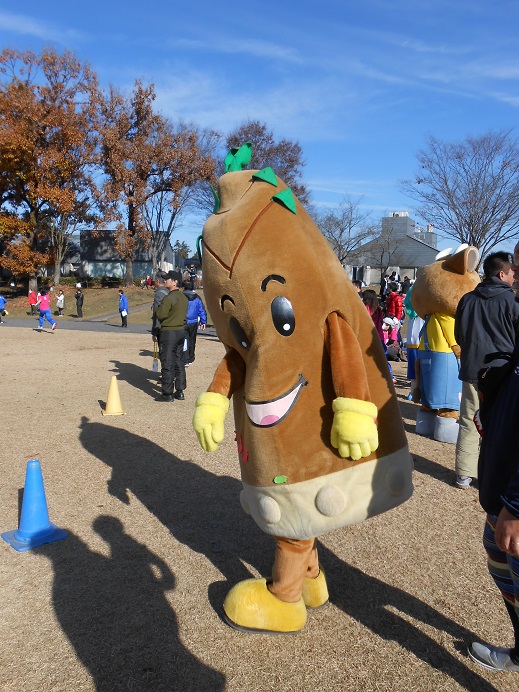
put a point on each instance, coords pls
(131, 600)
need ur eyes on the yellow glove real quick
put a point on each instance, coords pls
(210, 412)
(354, 431)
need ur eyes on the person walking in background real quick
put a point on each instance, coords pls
(33, 299)
(123, 308)
(45, 314)
(171, 314)
(3, 301)
(192, 276)
(486, 324)
(78, 295)
(196, 316)
(60, 303)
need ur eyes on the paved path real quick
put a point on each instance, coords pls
(107, 323)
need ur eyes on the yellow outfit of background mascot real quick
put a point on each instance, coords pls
(319, 433)
(436, 293)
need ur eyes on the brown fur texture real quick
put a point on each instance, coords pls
(333, 350)
(440, 286)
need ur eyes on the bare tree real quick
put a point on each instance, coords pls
(191, 168)
(285, 157)
(384, 251)
(346, 228)
(469, 191)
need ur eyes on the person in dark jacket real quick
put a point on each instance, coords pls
(196, 317)
(171, 314)
(486, 323)
(498, 472)
(78, 295)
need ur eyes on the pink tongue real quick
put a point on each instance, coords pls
(269, 420)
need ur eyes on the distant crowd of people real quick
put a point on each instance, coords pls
(388, 313)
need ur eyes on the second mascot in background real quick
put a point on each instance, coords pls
(320, 437)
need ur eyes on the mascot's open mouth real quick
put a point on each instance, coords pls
(265, 414)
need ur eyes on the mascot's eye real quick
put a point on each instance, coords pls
(283, 316)
(238, 333)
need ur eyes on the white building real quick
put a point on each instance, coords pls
(402, 246)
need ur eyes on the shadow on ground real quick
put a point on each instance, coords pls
(144, 379)
(187, 500)
(115, 614)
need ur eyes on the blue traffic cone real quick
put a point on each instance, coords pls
(35, 528)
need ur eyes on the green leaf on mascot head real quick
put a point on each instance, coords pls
(216, 207)
(279, 480)
(286, 198)
(266, 174)
(199, 248)
(238, 158)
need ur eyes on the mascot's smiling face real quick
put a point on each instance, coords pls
(268, 412)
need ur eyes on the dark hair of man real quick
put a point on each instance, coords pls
(357, 283)
(370, 298)
(159, 279)
(393, 287)
(496, 262)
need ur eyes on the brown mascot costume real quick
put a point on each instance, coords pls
(436, 293)
(320, 437)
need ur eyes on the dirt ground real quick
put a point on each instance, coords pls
(132, 598)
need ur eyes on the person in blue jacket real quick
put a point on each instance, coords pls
(3, 301)
(196, 317)
(123, 308)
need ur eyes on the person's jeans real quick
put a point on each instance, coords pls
(467, 445)
(173, 368)
(45, 315)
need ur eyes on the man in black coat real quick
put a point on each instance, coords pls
(486, 324)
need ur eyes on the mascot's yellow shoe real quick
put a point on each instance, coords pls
(249, 606)
(315, 592)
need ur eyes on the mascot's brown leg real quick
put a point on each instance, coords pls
(278, 605)
(296, 572)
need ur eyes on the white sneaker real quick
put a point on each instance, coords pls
(463, 482)
(492, 657)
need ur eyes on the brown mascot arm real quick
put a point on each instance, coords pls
(211, 407)
(229, 375)
(354, 430)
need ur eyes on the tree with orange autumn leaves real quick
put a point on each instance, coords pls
(150, 169)
(76, 158)
(47, 146)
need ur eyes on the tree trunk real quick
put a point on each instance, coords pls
(33, 283)
(57, 273)
(128, 276)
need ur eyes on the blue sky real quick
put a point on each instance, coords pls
(359, 84)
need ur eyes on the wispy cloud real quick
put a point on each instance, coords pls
(28, 26)
(254, 47)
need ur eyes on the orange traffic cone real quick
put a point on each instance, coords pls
(113, 401)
